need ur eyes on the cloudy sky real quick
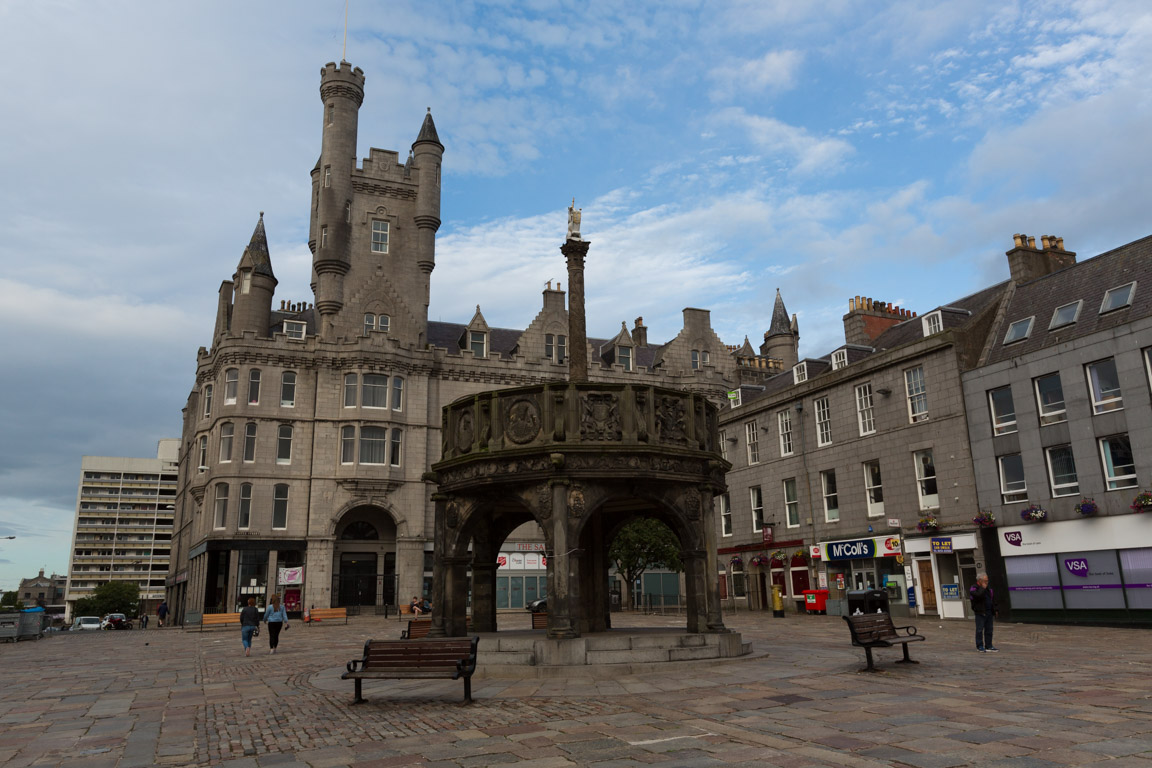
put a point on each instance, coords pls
(720, 150)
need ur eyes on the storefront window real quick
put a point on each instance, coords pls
(251, 577)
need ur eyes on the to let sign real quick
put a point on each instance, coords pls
(941, 543)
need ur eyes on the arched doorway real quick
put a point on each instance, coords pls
(364, 559)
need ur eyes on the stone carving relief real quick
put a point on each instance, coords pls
(600, 417)
(558, 413)
(522, 420)
(671, 421)
(642, 416)
(577, 506)
(544, 500)
(465, 431)
(692, 504)
(452, 514)
(485, 423)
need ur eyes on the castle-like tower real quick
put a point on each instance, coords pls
(782, 339)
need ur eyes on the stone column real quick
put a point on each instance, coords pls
(440, 575)
(273, 586)
(563, 571)
(318, 573)
(696, 588)
(232, 585)
(483, 594)
(715, 619)
(575, 251)
(452, 612)
(594, 579)
(410, 568)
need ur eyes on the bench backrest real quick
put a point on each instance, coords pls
(426, 654)
(328, 613)
(869, 627)
(420, 627)
(540, 620)
(210, 619)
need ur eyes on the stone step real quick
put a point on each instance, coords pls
(635, 656)
(694, 654)
(523, 658)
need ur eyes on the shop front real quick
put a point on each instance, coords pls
(869, 563)
(521, 574)
(1090, 570)
(943, 569)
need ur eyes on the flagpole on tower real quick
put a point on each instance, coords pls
(344, 56)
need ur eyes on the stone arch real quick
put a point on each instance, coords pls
(398, 520)
(364, 536)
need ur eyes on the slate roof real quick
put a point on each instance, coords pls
(1088, 281)
(781, 325)
(504, 340)
(257, 250)
(428, 131)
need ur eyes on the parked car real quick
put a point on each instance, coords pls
(87, 622)
(538, 606)
(116, 621)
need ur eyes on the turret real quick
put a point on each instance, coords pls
(342, 93)
(782, 339)
(427, 155)
(254, 286)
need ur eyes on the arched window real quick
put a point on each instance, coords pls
(231, 379)
(221, 516)
(227, 430)
(350, 387)
(244, 517)
(360, 531)
(373, 445)
(348, 445)
(397, 393)
(254, 386)
(284, 444)
(250, 442)
(280, 507)
(288, 390)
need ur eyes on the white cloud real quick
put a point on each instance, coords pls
(774, 71)
(808, 153)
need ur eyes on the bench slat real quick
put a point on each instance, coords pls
(424, 659)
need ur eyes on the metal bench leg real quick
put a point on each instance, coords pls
(468, 689)
(907, 659)
(359, 698)
(867, 652)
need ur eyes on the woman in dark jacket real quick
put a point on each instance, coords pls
(249, 622)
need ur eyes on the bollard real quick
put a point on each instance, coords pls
(777, 601)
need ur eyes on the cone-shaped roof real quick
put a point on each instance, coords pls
(781, 325)
(256, 256)
(428, 132)
(745, 350)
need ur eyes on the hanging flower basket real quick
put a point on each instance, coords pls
(985, 519)
(928, 524)
(779, 555)
(1034, 514)
(737, 563)
(1087, 507)
(801, 554)
(760, 560)
(1142, 502)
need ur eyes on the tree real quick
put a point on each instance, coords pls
(110, 597)
(11, 599)
(642, 544)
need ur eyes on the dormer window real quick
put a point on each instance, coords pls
(800, 373)
(933, 323)
(624, 357)
(380, 231)
(839, 359)
(295, 329)
(1019, 330)
(376, 323)
(1118, 298)
(478, 343)
(1065, 315)
(695, 359)
(555, 346)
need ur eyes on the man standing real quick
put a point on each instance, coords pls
(984, 606)
(162, 613)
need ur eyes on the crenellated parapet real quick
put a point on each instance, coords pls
(342, 80)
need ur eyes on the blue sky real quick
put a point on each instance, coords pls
(719, 151)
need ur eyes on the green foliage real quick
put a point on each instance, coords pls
(640, 545)
(10, 600)
(110, 597)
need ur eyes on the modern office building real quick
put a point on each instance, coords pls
(123, 529)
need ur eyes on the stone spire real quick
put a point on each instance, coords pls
(256, 256)
(782, 339)
(780, 323)
(428, 132)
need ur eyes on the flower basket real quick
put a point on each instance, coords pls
(737, 563)
(1142, 502)
(802, 554)
(1087, 507)
(928, 524)
(1034, 514)
(760, 560)
(985, 519)
(779, 555)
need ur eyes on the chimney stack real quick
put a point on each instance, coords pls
(867, 318)
(1026, 262)
(640, 333)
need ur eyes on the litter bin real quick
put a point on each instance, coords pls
(867, 601)
(816, 601)
(31, 624)
(9, 626)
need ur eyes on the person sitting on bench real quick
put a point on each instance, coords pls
(416, 606)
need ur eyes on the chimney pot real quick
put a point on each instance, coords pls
(1016, 239)
(1060, 243)
(1044, 242)
(1031, 242)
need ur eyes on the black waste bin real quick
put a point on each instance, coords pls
(867, 601)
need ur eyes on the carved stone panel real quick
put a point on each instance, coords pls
(522, 420)
(465, 431)
(671, 422)
(600, 417)
(577, 505)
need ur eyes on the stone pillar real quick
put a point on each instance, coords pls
(483, 594)
(594, 578)
(453, 611)
(563, 571)
(575, 251)
(273, 587)
(715, 618)
(231, 588)
(696, 588)
(410, 568)
(440, 576)
(318, 573)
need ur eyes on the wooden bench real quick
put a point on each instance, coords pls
(418, 628)
(450, 658)
(875, 630)
(539, 620)
(218, 620)
(327, 614)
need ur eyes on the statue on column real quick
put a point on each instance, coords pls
(574, 221)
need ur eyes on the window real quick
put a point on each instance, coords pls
(374, 391)
(207, 400)
(823, 422)
(295, 329)
(831, 498)
(397, 393)
(1050, 399)
(288, 390)
(753, 441)
(227, 430)
(725, 515)
(1119, 466)
(397, 445)
(231, 379)
(1148, 364)
(327, 175)
(348, 212)
(369, 323)
(704, 357)
(723, 445)
(1013, 489)
(1062, 471)
(800, 373)
(280, 506)
(350, 387)
(864, 409)
(735, 399)
(1019, 330)
(784, 421)
(373, 445)
(348, 445)
(203, 452)
(561, 348)
(1118, 298)
(695, 359)
(926, 479)
(245, 281)
(254, 386)
(383, 323)
(757, 499)
(1003, 411)
(933, 323)
(917, 394)
(874, 488)
(1104, 384)
(380, 236)
(221, 516)
(624, 357)
(1065, 315)
(244, 514)
(791, 504)
(839, 359)
(323, 237)
(284, 444)
(250, 442)
(478, 343)
(331, 114)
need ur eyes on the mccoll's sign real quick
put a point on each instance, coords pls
(858, 549)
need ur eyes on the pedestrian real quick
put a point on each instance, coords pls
(161, 613)
(984, 606)
(277, 617)
(416, 606)
(144, 620)
(249, 625)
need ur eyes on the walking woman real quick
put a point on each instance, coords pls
(249, 624)
(277, 618)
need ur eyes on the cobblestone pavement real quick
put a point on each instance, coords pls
(1053, 696)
